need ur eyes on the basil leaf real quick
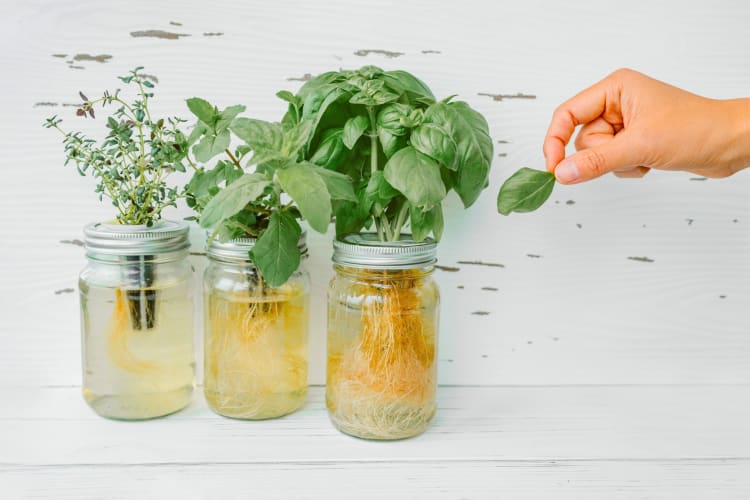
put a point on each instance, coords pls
(435, 142)
(296, 138)
(390, 118)
(307, 188)
(416, 176)
(438, 222)
(233, 198)
(525, 191)
(331, 150)
(379, 193)
(390, 143)
(420, 222)
(353, 130)
(276, 254)
(403, 82)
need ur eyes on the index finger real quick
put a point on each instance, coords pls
(584, 107)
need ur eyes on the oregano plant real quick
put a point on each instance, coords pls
(403, 149)
(262, 187)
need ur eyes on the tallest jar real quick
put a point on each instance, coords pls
(383, 308)
(137, 320)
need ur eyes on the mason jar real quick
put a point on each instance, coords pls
(137, 320)
(255, 335)
(383, 309)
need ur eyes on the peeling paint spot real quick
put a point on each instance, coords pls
(500, 97)
(722, 296)
(557, 202)
(175, 23)
(641, 259)
(489, 288)
(644, 225)
(75, 242)
(735, 221)
(689, 221)
(502, 155)
(698, 178)
(304, 78)
(198, 254)
(76, 67)
(480, 313)
(503, 142)
(579, 226)
(45, 104)
(570, 202)
(150, 77)
(460, 287)
(64, 290)
(484, 356)
(167, 35)
(449, 360)
(213, 33)
(533, 255)
(60, 56)
(555, 338)
(338, 58)
(479, 263)
(428, 51)
(448, 269)
(529, 342)
(386, 53)
(100, 58)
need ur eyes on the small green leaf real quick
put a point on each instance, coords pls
(525, 191)
(404, 82)
(233, 198)
(287, 96)
(331, 150)
(416, 176)
(276, 253)
(353, 130)
(438, 222)
(227, 116)
(204, 110)
(308, 190)
(420, 222)
(296, 138)
(211, 145)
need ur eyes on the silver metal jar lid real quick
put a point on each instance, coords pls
(237, 250)
(105, 238)
(365, 250)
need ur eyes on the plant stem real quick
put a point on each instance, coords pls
(234, 160)
(400, 220)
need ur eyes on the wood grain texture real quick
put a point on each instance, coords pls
(607, 358)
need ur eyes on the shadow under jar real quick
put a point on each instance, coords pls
(137, 320)
(383, 309)
(255, 340)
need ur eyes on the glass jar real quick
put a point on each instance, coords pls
(255, 340)
(383, 309)
(137, 320)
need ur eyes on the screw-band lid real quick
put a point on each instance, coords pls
(365, 250)
(237, 249)
(108, 238)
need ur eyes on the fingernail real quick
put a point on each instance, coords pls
(567, 172)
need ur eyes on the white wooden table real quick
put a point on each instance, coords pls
(607, 359)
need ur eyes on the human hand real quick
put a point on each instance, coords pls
(633, 123)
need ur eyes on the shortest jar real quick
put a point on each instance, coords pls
(383, 308)
(255, 344)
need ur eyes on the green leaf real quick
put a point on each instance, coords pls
(339, 185)
(265, 139)
(211, 145)
(204, 110)
(352, 217)
(390, 118)
(308, 189)
(287, 96)
(353, 130)
(416, 176)
(276, 253)
(227, 116)
(404, 82)
(296, 138)
(420, 222)
(438, 222)
(199, 129)
(525, 191)
(390, 143)
(435, 142)
(233, 198)
(331, 150)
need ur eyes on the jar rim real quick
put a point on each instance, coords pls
(238, 249)
(366, 250)
(111, 238)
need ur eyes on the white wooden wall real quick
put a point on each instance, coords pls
(609, 358)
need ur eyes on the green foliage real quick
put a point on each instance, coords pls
(262, 187)
(133, 161)
(525, 191)
(402, 149)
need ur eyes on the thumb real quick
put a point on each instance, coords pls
(593, 162)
